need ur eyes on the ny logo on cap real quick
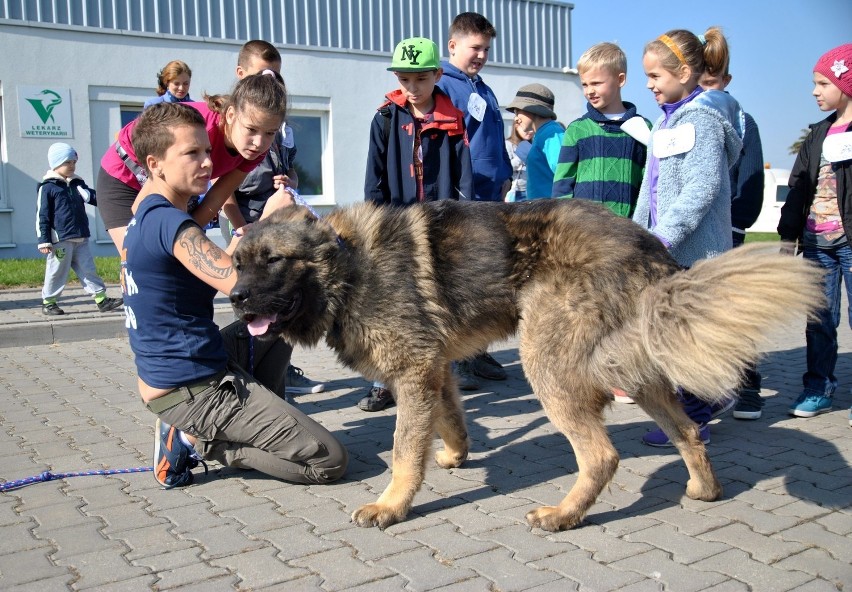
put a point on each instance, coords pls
(408, 53)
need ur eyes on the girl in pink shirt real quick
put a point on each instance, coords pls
(241, 127)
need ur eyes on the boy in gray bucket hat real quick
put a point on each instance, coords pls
(533, 108)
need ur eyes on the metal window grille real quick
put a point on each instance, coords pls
(531, 33)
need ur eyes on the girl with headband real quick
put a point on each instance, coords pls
(240, 126)
(685, 198)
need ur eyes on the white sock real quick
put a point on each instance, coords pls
(184, 439)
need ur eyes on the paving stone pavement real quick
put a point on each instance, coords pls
(69, 404)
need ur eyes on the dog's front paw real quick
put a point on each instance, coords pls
(377, 515)
(552, 519)
(706, 492)
(448, 459)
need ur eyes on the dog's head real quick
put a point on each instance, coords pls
(285, 272)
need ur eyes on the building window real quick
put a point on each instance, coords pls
(309, 133)
(129, 113)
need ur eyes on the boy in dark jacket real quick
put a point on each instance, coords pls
(63, 231)
(418, 146)
(418, 149)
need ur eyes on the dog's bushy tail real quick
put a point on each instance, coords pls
(700, 328)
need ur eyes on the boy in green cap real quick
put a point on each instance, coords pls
(417, 128)
(418, 148)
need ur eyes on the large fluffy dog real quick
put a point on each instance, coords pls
(597, 301)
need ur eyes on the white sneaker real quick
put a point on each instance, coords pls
(296, 383)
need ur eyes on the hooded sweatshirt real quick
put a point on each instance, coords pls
(600, 162)
(490, 161)
(685, 198)
(444, 152)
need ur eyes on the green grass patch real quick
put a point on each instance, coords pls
(29, 273)
(762, 237)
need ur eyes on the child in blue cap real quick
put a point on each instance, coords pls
(63, 231)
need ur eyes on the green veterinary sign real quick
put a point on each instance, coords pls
(45, 112)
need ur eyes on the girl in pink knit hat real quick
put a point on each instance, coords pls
(818, 216)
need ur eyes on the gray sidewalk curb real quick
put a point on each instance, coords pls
(77, 328)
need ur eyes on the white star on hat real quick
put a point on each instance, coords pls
(839, 67)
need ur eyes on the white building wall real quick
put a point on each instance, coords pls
(105, 70)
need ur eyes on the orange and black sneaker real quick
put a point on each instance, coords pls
(173, 460)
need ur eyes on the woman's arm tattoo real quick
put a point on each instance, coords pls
(204, 254)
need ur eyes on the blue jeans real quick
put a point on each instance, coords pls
(821, 334)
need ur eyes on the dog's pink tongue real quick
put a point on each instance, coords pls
(259, 325)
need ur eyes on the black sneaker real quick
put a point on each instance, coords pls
(108, 304)
(377, 398)
(484, 366)
(173, 460)
(52, 310)
(749, 405)
(722, 407)
(464, 376)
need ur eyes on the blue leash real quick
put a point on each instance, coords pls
(48, 476)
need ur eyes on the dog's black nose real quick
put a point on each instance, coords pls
(239, 296)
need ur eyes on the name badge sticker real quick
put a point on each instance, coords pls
(678, 140)
(636, 128)
(838, 147)
(476, 106)
(289, 140)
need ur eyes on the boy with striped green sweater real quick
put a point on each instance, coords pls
(603, 153)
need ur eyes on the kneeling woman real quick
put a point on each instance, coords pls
(207, 407)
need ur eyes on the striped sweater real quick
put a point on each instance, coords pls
(600, 162)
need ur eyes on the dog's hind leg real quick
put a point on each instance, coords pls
(416, 401)
(579, 416)
(664, 408)
(450, 424)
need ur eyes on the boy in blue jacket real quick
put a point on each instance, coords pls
(418, 149)
(470, 41)
(470, 37)
(63, 231)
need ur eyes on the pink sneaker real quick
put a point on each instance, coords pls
(621, 396)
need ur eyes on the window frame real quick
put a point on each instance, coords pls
(320, 108)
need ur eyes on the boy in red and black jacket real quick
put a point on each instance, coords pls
(418, 146)
(418, 149)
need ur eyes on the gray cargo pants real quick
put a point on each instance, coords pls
(240, 423)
